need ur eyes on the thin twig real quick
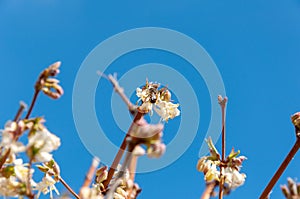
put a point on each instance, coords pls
(35, 95)
(120, 153)
(137, 117)
(210, 186)
(281, 169)
(68, 187)
(122, 171)
(20, 111)
(222, 102)
(90, 174)
(120, 91)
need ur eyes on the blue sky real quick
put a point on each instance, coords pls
(255, 45)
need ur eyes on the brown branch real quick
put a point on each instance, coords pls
(90, 174)
(222, 102)
(33, 101)
(20, 111)
(122, 171)
(210, 186)
(68, 187)
(281, 169)
(122, 148)
(120, 91)
(3, 158)
(137, 117)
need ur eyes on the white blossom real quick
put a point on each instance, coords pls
(21, 171)
(233, 177)
(41, 144)
(167, 110)
(212, 174)
(9, 187)
(90, 193)
(7, 138)
(47, 185)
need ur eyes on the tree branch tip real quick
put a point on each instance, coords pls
(95, 162)
(23, 105)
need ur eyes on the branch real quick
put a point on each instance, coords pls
(209, 190)
(118, 89)
(133, 110)
(90, 174)
(122, 148)
(33, 101)
(222, 102)
(120, 175)
(68, 187)
(281, 169)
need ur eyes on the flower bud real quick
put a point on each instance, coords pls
(296, 120)
(285, 191)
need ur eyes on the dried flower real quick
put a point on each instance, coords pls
(296, 121)
(151, 96)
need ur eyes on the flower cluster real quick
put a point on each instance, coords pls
(158, 99)
(231, 175)
(16, 177)
(40, 144)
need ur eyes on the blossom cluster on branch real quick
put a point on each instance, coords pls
(26, 144)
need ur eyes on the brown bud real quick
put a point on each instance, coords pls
(53, 69)
(296, 120)
(285, 191)
(165, 95)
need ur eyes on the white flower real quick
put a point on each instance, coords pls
(7, 138)
(90, 193)
(234, 178)
(9, 187)
(212, 174)
(21, 171)
(47, 185)
(142, 94)
(41, 144)
(166, 110)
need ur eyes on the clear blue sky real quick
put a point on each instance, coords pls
(255, 44)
